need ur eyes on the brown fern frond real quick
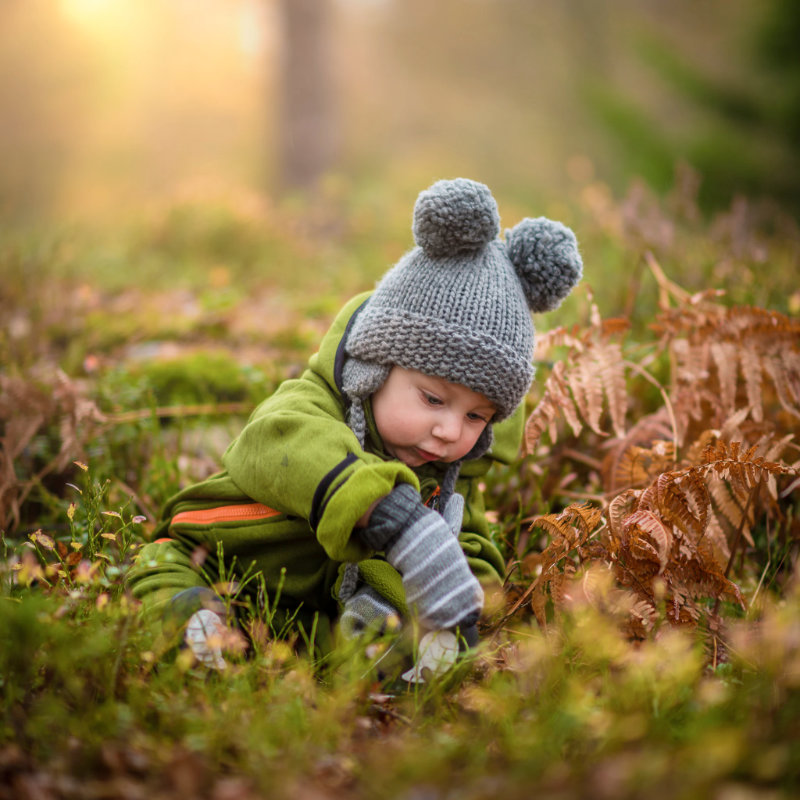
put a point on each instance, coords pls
(557, 337)
(614, 326)
(773, 449)
(780, 380)
(641, 454)
(559, 585)
(744, 469)
(611, 368)
(567, 545)
(572, 526)
(622, 505)
(692, 365)
(564, 400)
(724, 354)
(791, 362)
(716, 538)
(689, 506)
(648, 536)
(727, 505)
(538, 600)
(731, 428)
(542, 417)
(642, 619)
(705, 574)
(585, 381)
(750, 363)
(695, 451)
(584, 516)
(632, 468)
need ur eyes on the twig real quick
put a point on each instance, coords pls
(202, 409)
(576, 455)
(597, 498)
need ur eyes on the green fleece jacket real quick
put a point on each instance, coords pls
(297, 458)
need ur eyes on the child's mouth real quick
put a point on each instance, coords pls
(426, 456)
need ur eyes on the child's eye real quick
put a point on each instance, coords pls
(477, 417)
(431, 399)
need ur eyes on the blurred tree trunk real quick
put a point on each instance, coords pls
(308, 135)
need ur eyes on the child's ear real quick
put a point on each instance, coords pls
(546, 258)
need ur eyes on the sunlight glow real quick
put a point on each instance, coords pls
(89, 12)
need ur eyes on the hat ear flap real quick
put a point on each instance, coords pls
(546, 259)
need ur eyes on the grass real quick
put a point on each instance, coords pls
(157, 374)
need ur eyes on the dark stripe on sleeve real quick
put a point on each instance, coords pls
(317, 505)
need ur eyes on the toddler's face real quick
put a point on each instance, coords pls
(421, 418)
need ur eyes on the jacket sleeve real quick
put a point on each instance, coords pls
(483, 556)
(297, 455)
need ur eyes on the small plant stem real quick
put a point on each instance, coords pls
(737, 538)
(144, 506)
(667, 403)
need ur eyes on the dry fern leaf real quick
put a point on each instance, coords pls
(642, 618)
(725, 358)
(683, 501)
(541, 418)
(557, 525)
(648, 537)
(619, 508)
(783, 387)
(585, 516)
(563, 400)
(750, 363)
(644, 451)
(715, 536)
(632, 468)
(727, 506)
(585, 381)
(611, 368)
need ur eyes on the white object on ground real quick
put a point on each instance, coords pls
(205, 632)
(438, 651)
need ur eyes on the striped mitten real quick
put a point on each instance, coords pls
(419, 544)
(365, 610)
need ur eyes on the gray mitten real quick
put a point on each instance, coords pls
(419, 544)
(365, 610)
(453, 513)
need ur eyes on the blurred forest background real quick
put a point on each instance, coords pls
(189, 189)
(112, 106)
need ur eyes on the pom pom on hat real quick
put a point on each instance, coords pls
(546, 258)
(456, 216)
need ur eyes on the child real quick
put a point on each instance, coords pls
(353, 490)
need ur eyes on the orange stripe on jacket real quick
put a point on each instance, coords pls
(238, 513)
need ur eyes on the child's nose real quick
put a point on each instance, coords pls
(448, 428)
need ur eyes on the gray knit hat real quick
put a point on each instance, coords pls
(458, 305)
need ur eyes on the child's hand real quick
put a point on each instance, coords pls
(366, 610)
(419, 544)
(436, 577)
